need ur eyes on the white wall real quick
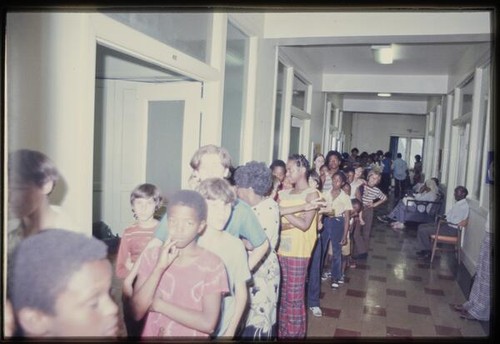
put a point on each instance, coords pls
(50, 100)
(371, 132)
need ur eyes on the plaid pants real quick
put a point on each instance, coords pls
(292, 313)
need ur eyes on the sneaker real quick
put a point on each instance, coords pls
(335, 285)
(341, 280)
(316, 311)
(383, 219)
(326, 275)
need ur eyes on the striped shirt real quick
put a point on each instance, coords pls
(371, 193)
(132, 243)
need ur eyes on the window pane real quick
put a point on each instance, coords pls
(234, 85)
(186, 32)
(467, 92)
(299, 93)
(277, 111)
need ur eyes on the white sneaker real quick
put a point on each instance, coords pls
(341, 280)
(326, 275)
(316, 311)
(335, 285)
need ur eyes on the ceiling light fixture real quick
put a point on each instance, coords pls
(383, 53)
(383, 94)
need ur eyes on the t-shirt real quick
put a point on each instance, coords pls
(340, 204)
(242, 223)
(295, 242)
(399, 167)
(132, 243)
(184, 286)
(371, 193)
(232, 252)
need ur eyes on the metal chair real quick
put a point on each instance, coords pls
(455, 240)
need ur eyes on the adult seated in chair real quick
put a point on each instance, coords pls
(457, 213)
(428, 192)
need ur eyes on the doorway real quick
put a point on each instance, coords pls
(147, 126)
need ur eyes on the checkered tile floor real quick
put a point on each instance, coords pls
(392, 294)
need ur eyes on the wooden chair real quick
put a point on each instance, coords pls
(456, 241)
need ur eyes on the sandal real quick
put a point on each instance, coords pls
(458, 308)
(467, 316)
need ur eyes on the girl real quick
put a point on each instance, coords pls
(298, 236)
(319, 160)
(253, 181)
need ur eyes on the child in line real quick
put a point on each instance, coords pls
(145, 200)
(372, 197)
(32, 178)
(59, 283)
(220, 198)
(298, 236)
(354, 223)
(337, 214)
(180, 284)
(253, 181)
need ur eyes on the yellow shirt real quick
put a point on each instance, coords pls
(339, 204)
(295, 242)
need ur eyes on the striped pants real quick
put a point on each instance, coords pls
(292, 312)
(478, 304)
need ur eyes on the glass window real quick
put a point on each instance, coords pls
(277, 111)
(416, 146)
(234, 91)
(186, 32)
(299, 93)
(467, 94)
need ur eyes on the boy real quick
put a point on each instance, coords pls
(180, 284)
(220, 197)
(59, 286)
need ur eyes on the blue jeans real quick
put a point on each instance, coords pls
(330, 226)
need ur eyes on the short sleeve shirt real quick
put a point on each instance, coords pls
(184, 286)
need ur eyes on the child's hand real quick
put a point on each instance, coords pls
(315, 204)
(168, 253)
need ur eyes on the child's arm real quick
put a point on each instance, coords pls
(143, 296)
(361, 221)
(122, 269)
(129, 280)
(240, 302)
(303, 222)
(310, 205)
(203, 321)
(346, 226)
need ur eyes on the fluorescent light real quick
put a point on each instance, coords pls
(383, 94)
(382, 53)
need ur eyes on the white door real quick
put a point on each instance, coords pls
(152, 130)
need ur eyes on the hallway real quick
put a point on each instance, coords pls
(394, 294)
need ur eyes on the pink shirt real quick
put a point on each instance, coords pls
(132, 243)
(184, 286)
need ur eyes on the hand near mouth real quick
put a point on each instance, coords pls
(168, 253)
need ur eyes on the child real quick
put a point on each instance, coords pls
(372, 197)
(298, 236)
(354, 224)
(59, 285)
(220, 197)
(32, 178)
(180, 284)
(253, 181)
(145, 200)
(336, 224)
